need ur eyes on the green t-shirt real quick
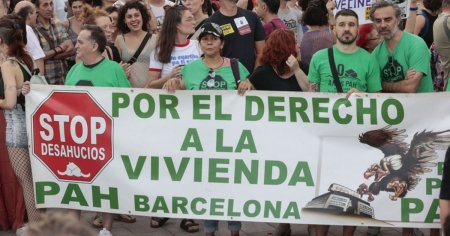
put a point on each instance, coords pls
(411, 52)
(104, 74)
(197, 76)
(356, 70)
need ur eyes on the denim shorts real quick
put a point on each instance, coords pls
(16, 129)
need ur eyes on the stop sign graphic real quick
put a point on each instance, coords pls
(72, 136)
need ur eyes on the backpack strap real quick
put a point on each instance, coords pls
(235, 68)
(336, 81)
(139, 50)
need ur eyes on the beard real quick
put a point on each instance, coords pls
(347, 41)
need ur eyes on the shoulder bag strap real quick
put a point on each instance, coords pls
(336, 81)
(139, 50)
(446, 29)
(235, 68)
(198, 27)
(21, 65)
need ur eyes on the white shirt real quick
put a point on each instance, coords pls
(59, 7)
(159, 12)
(181, 55)
(33, 46)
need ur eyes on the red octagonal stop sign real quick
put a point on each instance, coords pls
(72, 136)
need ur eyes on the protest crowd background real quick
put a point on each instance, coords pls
(280, 45)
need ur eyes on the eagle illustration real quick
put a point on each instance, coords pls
(399, 170)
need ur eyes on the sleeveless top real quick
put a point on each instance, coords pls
(72, 36)
(139, 69)
(26, 77)
(427, 31)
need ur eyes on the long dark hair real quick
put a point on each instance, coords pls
(169, 29)
(12, 30)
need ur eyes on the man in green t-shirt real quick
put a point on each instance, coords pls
(95, 70)
(404, 58)
(356, 69)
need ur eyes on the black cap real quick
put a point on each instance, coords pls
(211, 28)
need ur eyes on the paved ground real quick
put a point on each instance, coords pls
(171, 228)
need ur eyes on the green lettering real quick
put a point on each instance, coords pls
(141, 203)
(371, 111)
(220, 147)
(231, 208)
(336, 114)
(410, 206)
(198, 106)
(179, 203)
(274, 210)
(219, 114)
(168, 103)
(154, 167)
(433, 212)
(175, 174)
(269, 175)
(217, 204)
(133, 173)
(246, 142)
(298, 105)
(440, 168)
(252, 208)
(70, 197)
(318, 109)
(214, 170)
(398, 107)
(194, 206)
(112, 197)
(192, 140)
(138, 106)
(432, 183)
(198, 167)
(274, 108)
(297, 177)
(242, 169)
(160, 205)
(119, 100)
(249, 113)
(292, 211)
(45, 189)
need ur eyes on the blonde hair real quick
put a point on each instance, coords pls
(92, 13)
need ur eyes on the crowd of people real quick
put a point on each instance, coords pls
(271, 45)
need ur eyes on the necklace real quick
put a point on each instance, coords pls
(212, 73)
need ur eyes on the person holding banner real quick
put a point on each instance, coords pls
(212, 72)
(96, 70)
(280, 70)
(175, 49)
(358, 72)
(401, 54)
(15, 71)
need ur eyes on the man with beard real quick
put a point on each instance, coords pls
(357, 70)
(54, 41)
(404, 58)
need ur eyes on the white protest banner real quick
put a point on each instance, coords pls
(363, 7)
(265, 156)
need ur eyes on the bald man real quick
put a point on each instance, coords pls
(27, 11)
